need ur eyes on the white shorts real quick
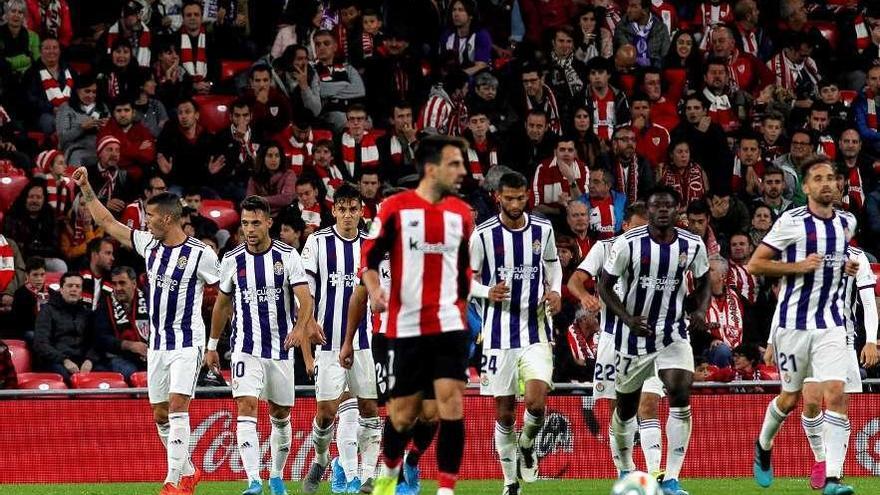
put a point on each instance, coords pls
(172, 372)
(853, 374)
(504, 369)
(605, 372)
(633, 372)
(331, 379)
(267, 379)
(818, 353)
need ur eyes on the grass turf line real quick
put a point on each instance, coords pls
(721, 486)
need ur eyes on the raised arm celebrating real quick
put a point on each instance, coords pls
(100, 213)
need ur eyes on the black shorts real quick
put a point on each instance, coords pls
(415, 362)
(379, 346)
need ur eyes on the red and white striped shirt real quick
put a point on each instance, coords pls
(134, 216)
(549, 183)
(746, 284)
(725, 318)
(430, 268)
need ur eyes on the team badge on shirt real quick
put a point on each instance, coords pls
(656, 140)
(181, 262)
(279, 268)
(536, 246)
(682, 260)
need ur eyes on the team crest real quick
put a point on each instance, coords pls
(484, 380)
(181, 262)
(682, 260)
(787, 378)
(600, 387)
(741, 69)
(306, 252)
(536, 247)
(279, 268)
(656, 140)
(273, 111)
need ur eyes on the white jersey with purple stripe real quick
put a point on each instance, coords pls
(652, 280)
(176, 278)
(813, 300)
(519, 257)
(332, 263)
(264, 308)
(864, 279)
(592, 265)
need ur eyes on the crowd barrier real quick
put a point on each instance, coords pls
(74, 438)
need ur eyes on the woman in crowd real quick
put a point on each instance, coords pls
(272, 178)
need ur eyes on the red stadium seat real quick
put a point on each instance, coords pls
(847, 96)
(227, 376)
(47, 381)
(10, 188)
(829, 32)
(98, 380)
(321, 134)
(21, 356)
(138, 379)
(214, 111)
(229, 69)
(53, 280)
(81, 67)
(220, 211)
(37, 137)
(769, 371)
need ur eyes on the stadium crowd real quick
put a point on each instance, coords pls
(595, 101)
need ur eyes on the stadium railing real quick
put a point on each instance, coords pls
(74, 438)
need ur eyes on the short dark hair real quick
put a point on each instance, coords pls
(513, 180)
(292, 219)
(773, 170)
(537, 112)
(743, 234)
(190, 100)
(260, 68)
(346, 192)
(241, 103)
(308, 179)
(356, 107)
(187, 3)
(430, 150)
(94, 246)
(636, 208)
(805, 132)
(820, 106)
(814, 161)
(34, 263)
(124, 270)
(122, 100)
(168, 203)
(68, 275)
(663, 189)
(639, 96)
(713, 60)
(255, 203)
(698, 207)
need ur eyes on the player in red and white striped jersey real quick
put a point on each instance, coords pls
(425, 232)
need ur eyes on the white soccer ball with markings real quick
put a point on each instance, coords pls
(636, 483)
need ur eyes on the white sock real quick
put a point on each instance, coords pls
(369, 437)
(773, 419)
(505, 445)
(445, 491)
(622, 435)
(652, 443)
(249, 446)
(178, 446)
(347, 436)
(531, 426)
(321, 442)
(836, 443)
(815, 431)
(279, 444)
(678, 436)
(163, 429)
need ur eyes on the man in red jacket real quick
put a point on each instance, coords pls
(137, 146)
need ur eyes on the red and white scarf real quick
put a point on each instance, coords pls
(628, 180)
(743, 282)
(855, 198)
(140, 46)
(872, 108)
(749, 40)
(827, 147)
(549, 107)
(51, 18)
(787, 73)
(367, 45)
(246, 147)
(332, 178)
(54, 92)
(475, 165)
(581, 348)
(369, 152)
(194, 60)
(109, 176)
(604, 116)
(726, 310)
(300, 154)
(60, 191)
(688, 182)
(863, 34)
(7, 263)
(602, 220)
(397, 151)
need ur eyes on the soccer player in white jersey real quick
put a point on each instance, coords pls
(859, 290)
(258, 282)
(178, 267)
(807, 248)
(513, 258)
(604, 373)
(332, 258)
(652, 264)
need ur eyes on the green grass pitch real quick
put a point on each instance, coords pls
(721, 486)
